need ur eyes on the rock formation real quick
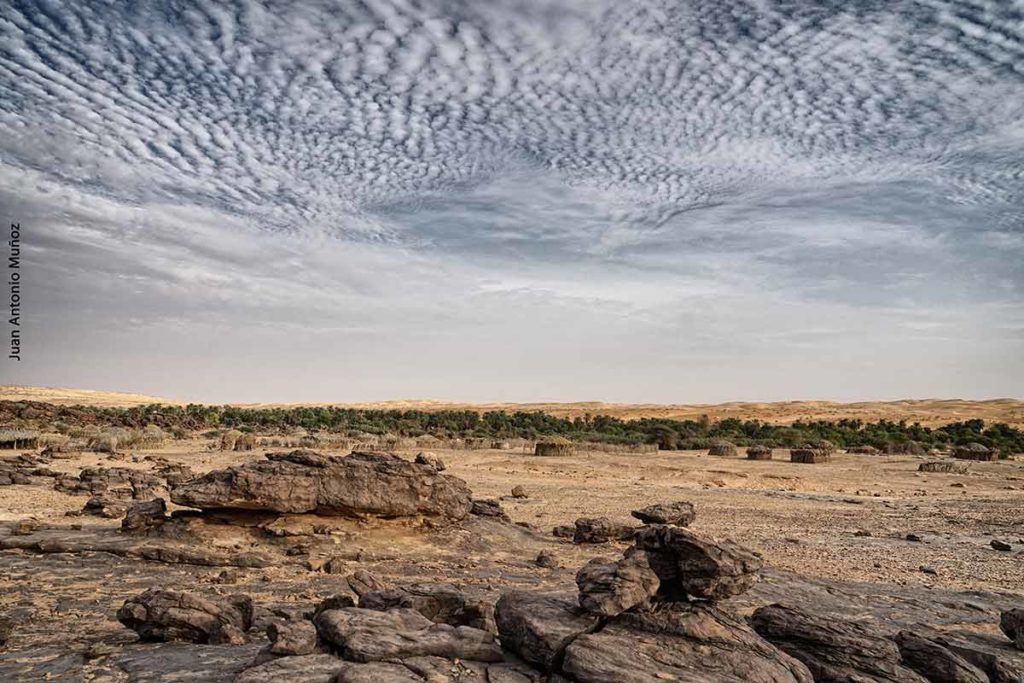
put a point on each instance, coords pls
(356, 485)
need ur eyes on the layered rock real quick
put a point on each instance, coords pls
(169, 615)
(678, 642)
(1012, 624)
(364, 635)
(697, 566)
(936, 662)
(680, 513)
(357, 485)
(833, 650)
(608, 588)
(442, 603)
(600, 530)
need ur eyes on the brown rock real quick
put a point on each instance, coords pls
(547, 560)
(539, 626)
(1012, 624)
(144, 516)
(681, 513)
(697, 566)
(519, 492)
(170, 615)
(600, 530)
(935, 662)
(833, 650)
(442, 603)
(362, 581)
(364, 635)
(563, 531)
(360, 484)
(609, 588)
(292, 637)
(489, 508)
(678, 642)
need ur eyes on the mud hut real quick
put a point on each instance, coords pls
(809, 456)
(904, 448)
(975, 451)
(759, 452)
(18, 438)
(554, 445)
(723, 448)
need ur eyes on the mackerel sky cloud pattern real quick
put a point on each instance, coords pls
(673, 201)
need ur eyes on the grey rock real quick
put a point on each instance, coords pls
(292, 637)
(356, 485)
(697, 566)
(365, 635)
(442, 603)
(539, 626)
(609, 588)
(680, 513)
(320, 668)
(169, 615)
(678, 642)
(1012, 624)
(834, 650)
(600, 530)
(936, 662)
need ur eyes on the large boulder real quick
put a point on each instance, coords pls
(690, 565)
(356, 485)
(678, 642)
(609, 588)
(834, 650)
(539, 626)
(364, 635)
(678, 514)
(169, 615)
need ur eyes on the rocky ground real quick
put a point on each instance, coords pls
(860, 540)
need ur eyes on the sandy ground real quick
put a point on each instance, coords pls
(931, 412)
(808, 518)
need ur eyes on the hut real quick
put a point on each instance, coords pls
(723, 448)
(809, 456)
(18, 438)
(904, 448)
(245, 442)
(759, 452)
(554, 445)
(975, 451)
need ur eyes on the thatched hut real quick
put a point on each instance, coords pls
(809, 456)
(759, 452)
(245, 442)
(723, 448)
(975, 451)
(18, 438)
(554, 445)
(904, 448)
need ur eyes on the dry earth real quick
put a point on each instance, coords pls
(833, 536)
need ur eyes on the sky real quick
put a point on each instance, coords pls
(517, 200)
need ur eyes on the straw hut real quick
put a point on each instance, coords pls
(759, 452)
(809, 456)
(18, 438)
(723, 448)
(975, 451)
(554, 445)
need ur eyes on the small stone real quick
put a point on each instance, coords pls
(861, 533)
(928, 569)
(1000, 545)
(563, 531)
(519, 492)
(914, 538)
(547, 560)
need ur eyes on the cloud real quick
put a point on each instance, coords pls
(662, 183)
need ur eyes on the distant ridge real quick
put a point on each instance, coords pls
(925, 411)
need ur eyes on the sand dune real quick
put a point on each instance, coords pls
(925, 411)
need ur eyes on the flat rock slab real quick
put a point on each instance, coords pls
(679, 642)
(833, 649)
(356, 485)
(364, 635)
